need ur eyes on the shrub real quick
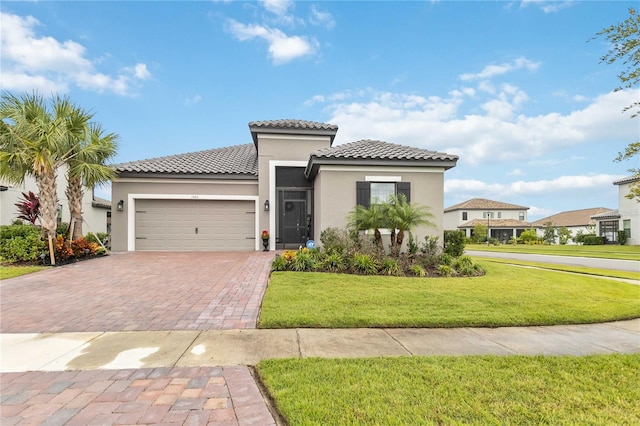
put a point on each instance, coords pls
(334, 262)
(303, 261)
(622, 237)
(62, 229)
(430, 246)
(364, 264)
(337, 240)
(446, 271)
(412, 246)
(417, 270)
(592, 240)
(98, 237)
(579, 238)
(20, 243)
(446, 259)
(454, 243)
(279, 263)
(530, 236)
(390, 267)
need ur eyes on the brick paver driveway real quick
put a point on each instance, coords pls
(139, 291)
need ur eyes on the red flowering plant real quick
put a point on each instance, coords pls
(265, 235)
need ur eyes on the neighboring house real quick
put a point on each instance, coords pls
(575, 221)
(503, 220)
(626, 217)
(290, 182)
(96, 212)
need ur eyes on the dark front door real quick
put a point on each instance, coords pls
(293, 224)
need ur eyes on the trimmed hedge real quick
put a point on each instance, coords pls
(592, 240)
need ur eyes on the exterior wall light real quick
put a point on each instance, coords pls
(266, 206)
(120, 205)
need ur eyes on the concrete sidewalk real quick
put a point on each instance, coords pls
(158, 349)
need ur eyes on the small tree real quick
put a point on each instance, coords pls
(564, 234)
(364, 219)
(529, 236)
(29, 207)
(549, 235)
(405, 216)
(479, 232)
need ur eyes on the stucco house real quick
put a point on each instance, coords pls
(575, 221)
(96, 212)
(504, 220)
(291, 181)
(626, 217)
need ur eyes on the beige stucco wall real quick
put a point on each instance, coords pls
(278, 150)
(121, 189)
(335, 194)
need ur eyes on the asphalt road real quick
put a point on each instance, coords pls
(588, 262)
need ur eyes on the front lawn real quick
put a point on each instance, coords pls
(568, 268)
(599, 389)
(602, 251)
(506, 296)
(7, 272)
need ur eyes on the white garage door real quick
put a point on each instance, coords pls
(195, 225)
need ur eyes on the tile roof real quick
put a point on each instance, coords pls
(375, 152)
(374, 149)
(497, 223)
(572, 218)
(101, 202)
(609, 214)
(484, 204)
(292, 124)
(292, 127)
(628, 179)
(233, 160)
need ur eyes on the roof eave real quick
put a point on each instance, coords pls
(315, 162)
(222, 176)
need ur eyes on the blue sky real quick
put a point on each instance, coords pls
(514, 88)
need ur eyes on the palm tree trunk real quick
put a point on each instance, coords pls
(75, 194)
(48, 203)
(400, 238)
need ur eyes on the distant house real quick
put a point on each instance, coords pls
(96, 212)
(503, 220)
(626, 217)
(575, 221)
(290, 182)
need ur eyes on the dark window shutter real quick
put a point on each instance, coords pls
(363, 194)
(404, 188)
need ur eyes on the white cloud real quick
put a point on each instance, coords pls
(277, 7)
(529, 188)
(32, 62)
(282, 48)
(495, 131)
(319, 17)
(548, 6)
(192, 100)
(492, 70)
(515, 172)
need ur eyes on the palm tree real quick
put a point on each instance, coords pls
(86, 168)
(33, 141)
(364, 219)
(404, 216)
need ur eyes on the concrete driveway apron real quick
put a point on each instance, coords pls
(139, 291)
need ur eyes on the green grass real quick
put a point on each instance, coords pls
(604, 252)
(506, 296)
(15, 271)
(567, 268)
(478, 390)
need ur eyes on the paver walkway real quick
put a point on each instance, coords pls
(190, 396)
(139, 291)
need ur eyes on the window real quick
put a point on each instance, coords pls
(464, 216)
(368, 193)
(381, 191)
(626, 225)
(521, 216)
(609, 230)
(499, 215)
(484, 215)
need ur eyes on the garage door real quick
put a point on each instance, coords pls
(195, 225)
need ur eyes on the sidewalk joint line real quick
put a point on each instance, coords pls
(298, 343)
(186, 349)
(398, 342)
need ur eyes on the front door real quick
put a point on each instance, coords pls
(294, 229)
